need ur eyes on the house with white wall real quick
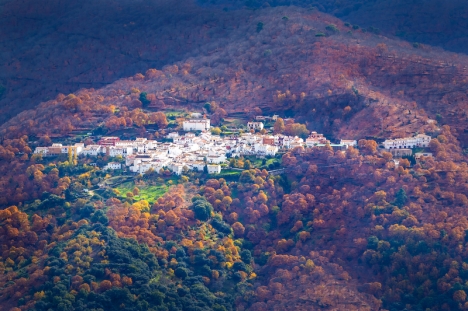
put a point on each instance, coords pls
(348, 143)
(93, 150)
(113, 166)
(420, 140)
(258, 126)
(196, 125)
(120, 151)
(213, 168)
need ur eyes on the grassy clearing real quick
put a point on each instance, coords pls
(148, 193)
(229, 175)
(234, 122)
(174, 113)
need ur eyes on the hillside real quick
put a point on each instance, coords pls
(433, 22)
(301, 63)
(306, 228)
(63, 46)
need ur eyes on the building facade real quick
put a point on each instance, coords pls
(420, 140)
(196, 125)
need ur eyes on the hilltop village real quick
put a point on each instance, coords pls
(198, 149)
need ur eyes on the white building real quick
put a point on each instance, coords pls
(197, 165)
(113, 166)
(293, 142)
(42, 151)
(348, 143)
(196, 125)
(196, 115)
(315, 139)
(172, 135)
(120, 151)
(213, 168)
(216, 159)
(267, 150)
(93, 150)
(420, 140)
(255, 126)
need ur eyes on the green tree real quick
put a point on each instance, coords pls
(202, 208)
(145, 101)
(400, 198)
(372, 242)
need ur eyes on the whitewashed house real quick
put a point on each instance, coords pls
(93, 150)
(113, 166)
(42, 151)
(420, 140)
(216, 159)
(255, 126)
(172, 135)
(196, 125)
(315, 139)
(348, 143)
(213, 168)
(120, 151)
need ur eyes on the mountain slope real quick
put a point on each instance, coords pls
(62, 46)
(433, 22)
(305, 64)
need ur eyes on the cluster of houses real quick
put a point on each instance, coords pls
(206, 151)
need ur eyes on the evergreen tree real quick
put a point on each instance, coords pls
(400, 198)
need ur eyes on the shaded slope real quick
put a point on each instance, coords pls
(434, 22)
(62, 46)
(309, 66)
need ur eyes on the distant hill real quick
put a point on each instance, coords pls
(434, 22)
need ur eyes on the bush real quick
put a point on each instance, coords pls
(332, 28)
(202, 208)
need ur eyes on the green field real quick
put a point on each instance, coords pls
(148, 193)
(228, 174)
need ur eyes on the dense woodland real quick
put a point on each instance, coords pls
(339, 230)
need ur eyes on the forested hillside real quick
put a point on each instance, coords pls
(299, 62)
(434, 22)
(323, 227)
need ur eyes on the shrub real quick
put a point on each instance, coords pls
(332, 28)
(260, 26)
